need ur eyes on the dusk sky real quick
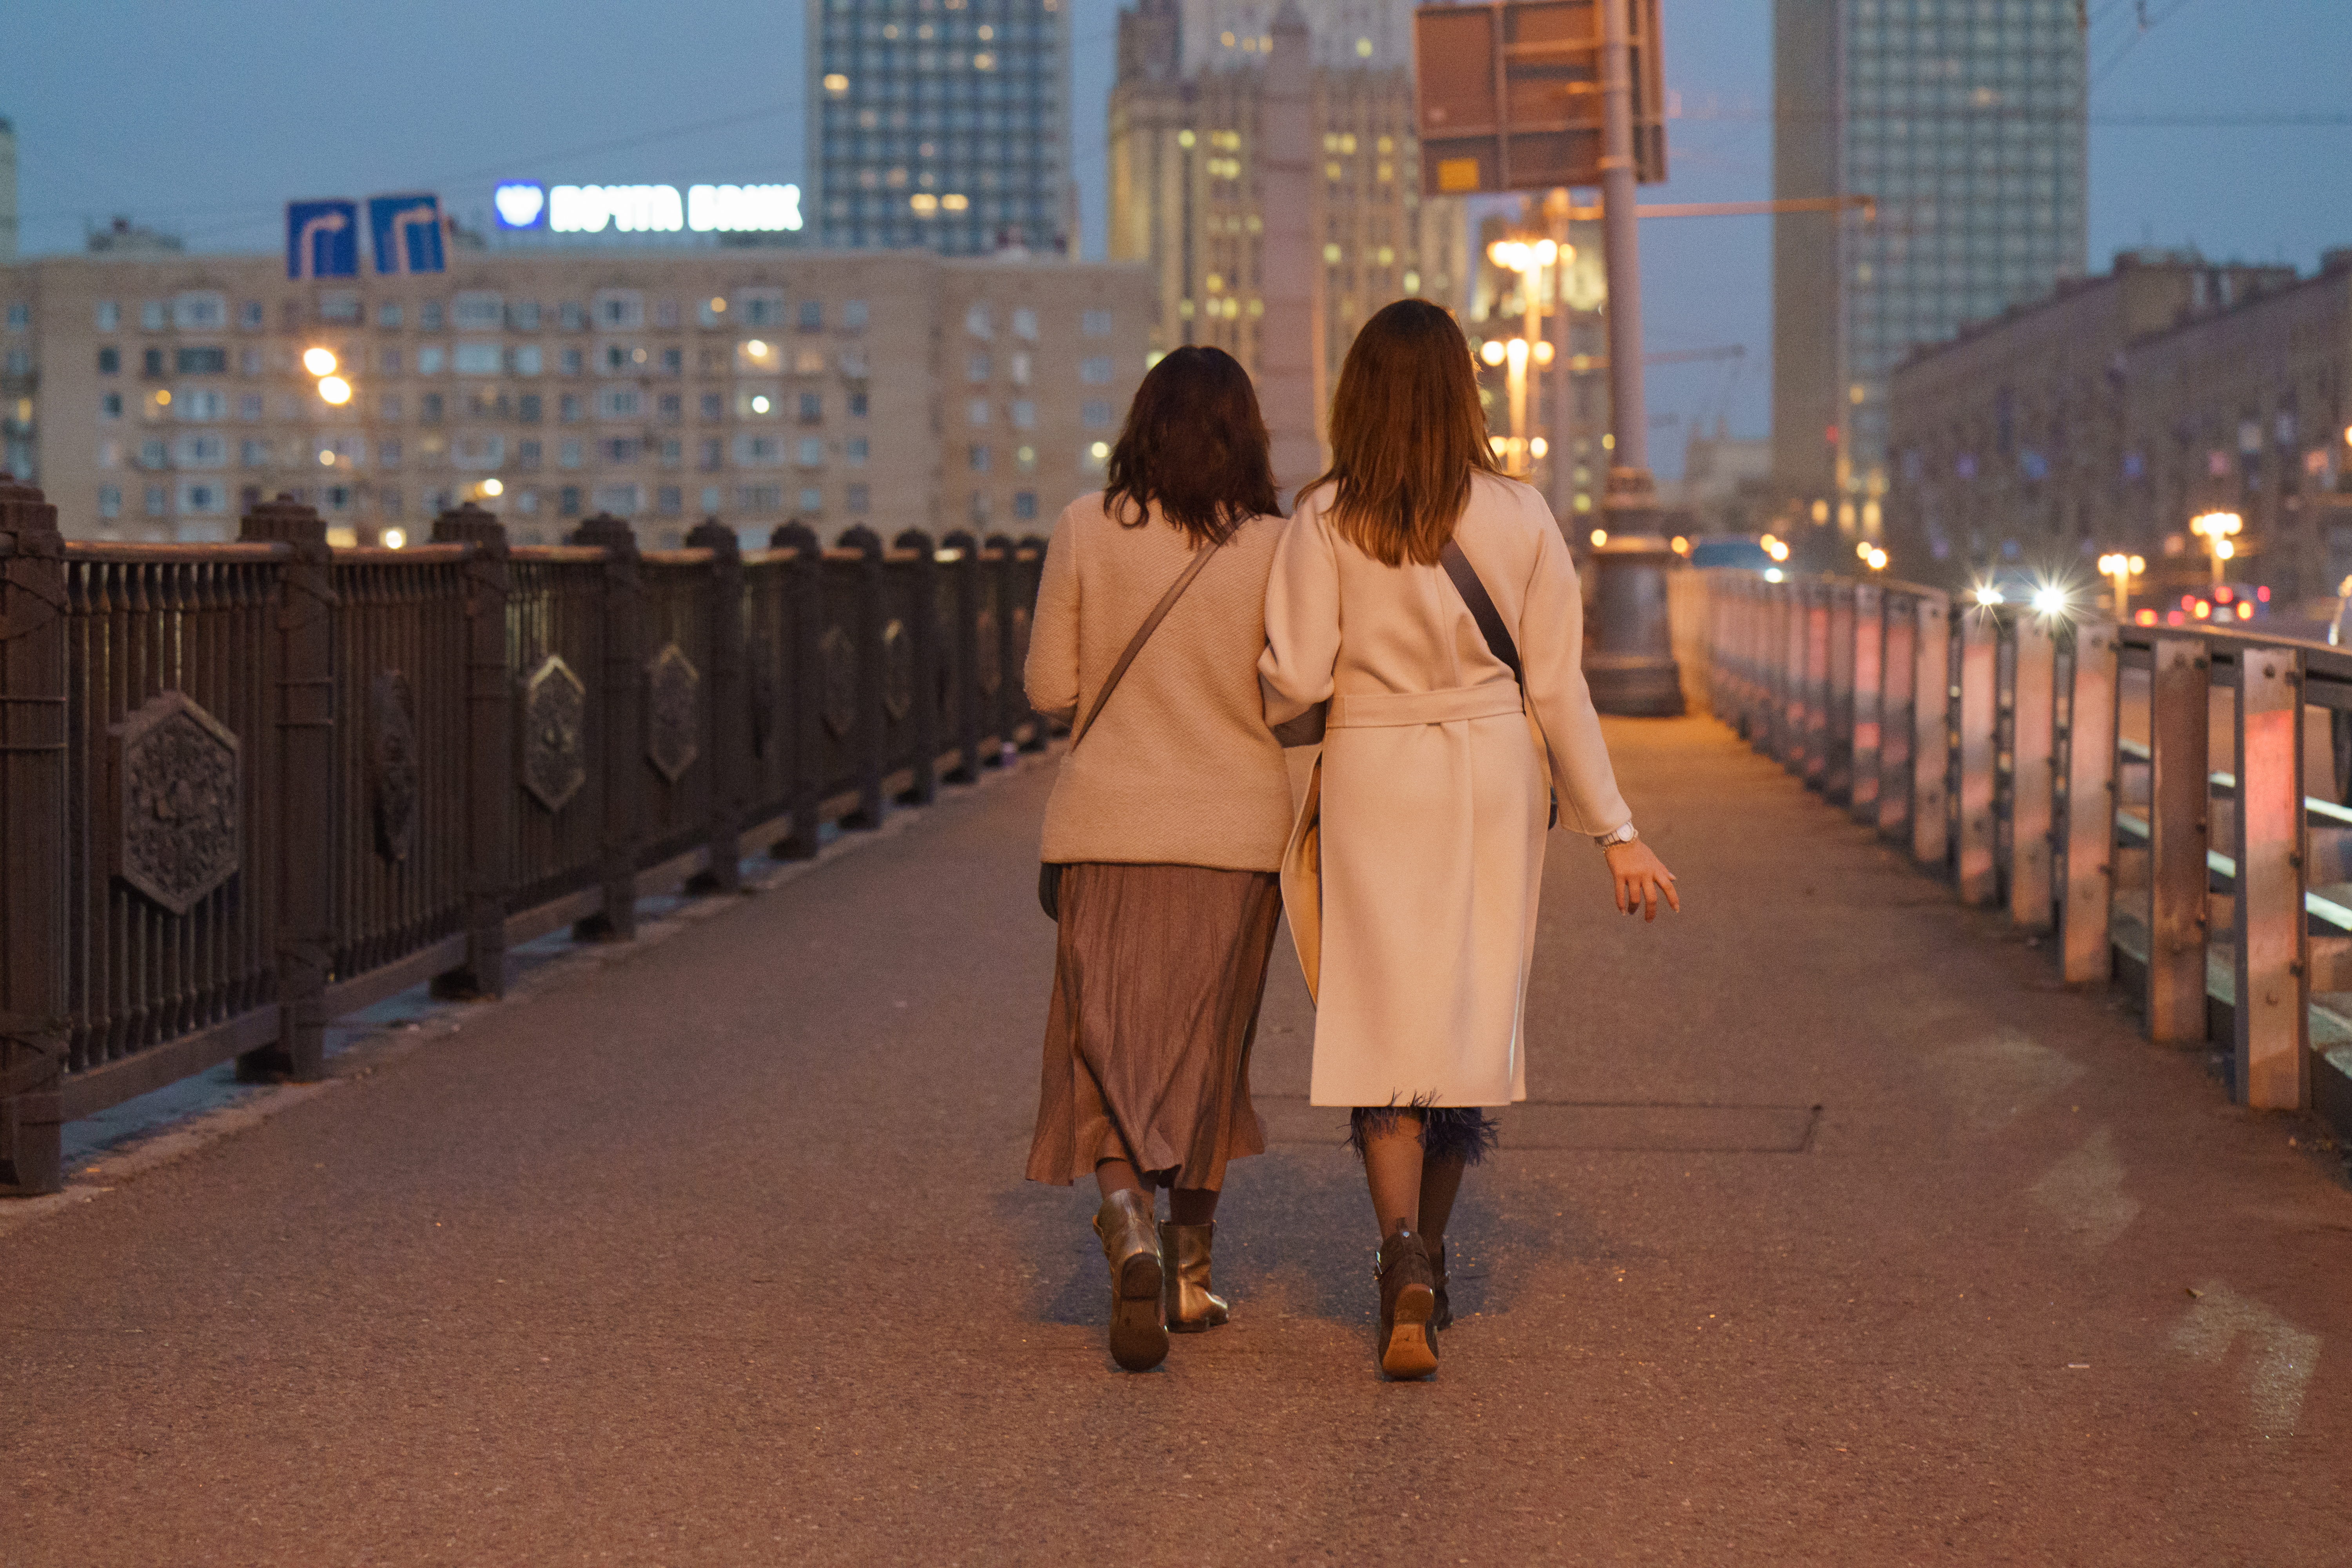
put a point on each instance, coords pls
(2227, 124)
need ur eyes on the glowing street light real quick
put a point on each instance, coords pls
(1528, 353)
(493, 488)
(1877, 559)
(319, 362)
(2215, 527)
(2122, 569)
(335, 390)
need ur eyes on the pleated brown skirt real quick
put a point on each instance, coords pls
(1156, 979)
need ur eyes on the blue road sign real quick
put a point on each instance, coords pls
(322, 240)
(408, 234)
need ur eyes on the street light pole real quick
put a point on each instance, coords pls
(1633, 670)
(1630, 483)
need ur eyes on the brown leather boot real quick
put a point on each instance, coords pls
(1139, 1334)
(1184, 1252)
(1407, 1348)
(1442, 1316)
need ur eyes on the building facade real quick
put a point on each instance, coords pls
(941, 123)
(2108, 414)
(1187, 176)
(154, 398)
(1966, 122)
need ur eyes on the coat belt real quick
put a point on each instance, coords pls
(1382, 709)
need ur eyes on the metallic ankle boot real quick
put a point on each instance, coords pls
(1191, 1310)
(1407, 1347)
(1139, 1332)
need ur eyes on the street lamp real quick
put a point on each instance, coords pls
(1528, 351)
(2215, 527)
(2122, 568)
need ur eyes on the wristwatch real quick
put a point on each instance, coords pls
(1625, 834)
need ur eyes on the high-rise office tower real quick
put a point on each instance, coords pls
(1965, 120)
(1187, 171)
(940, 124)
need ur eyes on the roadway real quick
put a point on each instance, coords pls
(1843, 1234)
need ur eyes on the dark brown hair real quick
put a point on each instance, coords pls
(1407, 432)
(1194, 442)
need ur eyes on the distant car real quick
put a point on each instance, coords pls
(1739, 550)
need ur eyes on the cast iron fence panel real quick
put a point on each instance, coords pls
(555, 648)
(171, 750)
(400, 863)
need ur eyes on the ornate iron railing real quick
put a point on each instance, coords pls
(247, 787)
(2167, 800)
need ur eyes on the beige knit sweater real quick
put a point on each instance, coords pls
(1181, 768)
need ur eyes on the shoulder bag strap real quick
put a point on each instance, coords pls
(1482, 610)
(1498, 638)
(1143, 635)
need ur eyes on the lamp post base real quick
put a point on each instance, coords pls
(1631, 668)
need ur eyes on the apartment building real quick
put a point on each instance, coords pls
(2106, 416)
(1186, 195)
(156, 397)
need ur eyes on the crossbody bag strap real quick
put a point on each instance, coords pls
(1482, 609)
(1143, 635)
(1498, 636)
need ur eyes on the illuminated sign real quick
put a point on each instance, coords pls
(647, 209)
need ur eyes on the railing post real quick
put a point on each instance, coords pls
(2085, 939)
(2273, 1027)
(873, 725)
(2033, 782)
(925, 629)
(1978, 877)
(728, 742)
(624, 724)
(1816, 681)
(1898, 666)
(1792, 706)
(1931, 715)
(971, 725)
(306, 763)
(32, 837)
(1837, 777)
(804, 711)
(2180, 704)
(1869, 684)
(489, 748)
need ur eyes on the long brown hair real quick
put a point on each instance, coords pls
(1195, 442)
(1407, 432)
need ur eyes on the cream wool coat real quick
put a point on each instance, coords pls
(1433, 795)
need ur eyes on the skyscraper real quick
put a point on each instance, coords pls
(1965, 120)
(1189, 173)
(940, 124)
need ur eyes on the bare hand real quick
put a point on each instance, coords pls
(1639, 879)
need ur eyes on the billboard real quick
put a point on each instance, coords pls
(647, 209)
(1508, 95)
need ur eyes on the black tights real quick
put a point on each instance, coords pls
(1413, 1161)
(1186, 1205)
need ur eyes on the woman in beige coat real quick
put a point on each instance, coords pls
(1418, 860)
(1168, 824)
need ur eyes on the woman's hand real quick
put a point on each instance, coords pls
(1639, 878)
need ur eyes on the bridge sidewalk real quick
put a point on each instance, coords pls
(720, 1254)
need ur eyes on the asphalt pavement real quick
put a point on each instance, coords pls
(1839, 1232)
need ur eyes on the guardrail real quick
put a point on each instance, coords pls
(246, 788)
(2168, 801)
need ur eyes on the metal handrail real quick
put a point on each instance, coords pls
(1990, 737)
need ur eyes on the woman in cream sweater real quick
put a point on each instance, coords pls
(1414, 876)
(1169, 821)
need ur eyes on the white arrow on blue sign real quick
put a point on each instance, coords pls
(322, 240)
(407, 230)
